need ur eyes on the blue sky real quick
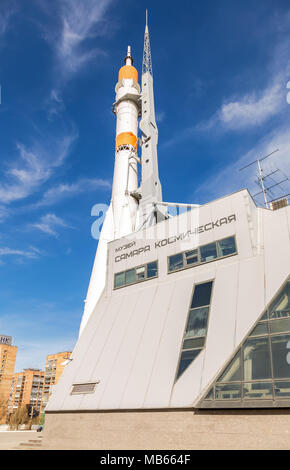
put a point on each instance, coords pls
(221, 70)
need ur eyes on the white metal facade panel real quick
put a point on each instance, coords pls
(121, 369)
(82, 369)
(222, 321)
(104, 363)
(187, 387)
(141, 371)
(277, 249)
(61, 393)
(163, 374)
(251, 293)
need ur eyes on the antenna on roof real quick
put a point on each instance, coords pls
(261, 180)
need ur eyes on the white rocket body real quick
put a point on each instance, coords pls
(121, 216)
(125, 181)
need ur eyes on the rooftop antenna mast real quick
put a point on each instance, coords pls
(261, 177)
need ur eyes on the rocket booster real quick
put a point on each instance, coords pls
(125, 180)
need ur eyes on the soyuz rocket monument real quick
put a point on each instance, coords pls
(131, 207)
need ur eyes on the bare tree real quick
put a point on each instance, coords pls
(3, 408)
(20, 416)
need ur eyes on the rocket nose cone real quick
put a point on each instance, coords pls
(128, 59)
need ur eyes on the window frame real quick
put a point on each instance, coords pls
(137, 281)
(176, 376)
(199, 262)
(246, 402)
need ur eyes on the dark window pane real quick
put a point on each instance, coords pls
(228, 392)
(201, 295)
(130, 276)
(208, 252)
(197, 322)
(226, 247)
(191, 257)
(193, 343)
(175, 262)
(281, 356)
(186, 359)
(258, 390)
(119, 279)
(209, 396)
(233, 371)
(264, 317)
(280, 326)
(260, 329)
(152, 270)
(256, 359)
(282, 389)
(280, 307)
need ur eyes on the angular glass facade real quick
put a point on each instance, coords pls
(260, 369)
(196, 326)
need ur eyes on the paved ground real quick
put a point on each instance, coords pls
(11, 439)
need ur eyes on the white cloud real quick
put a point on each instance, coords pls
(49, 223)
(230, 179)
(79, 20)
(7, 9)
(160, 116)
(257, 106)
(34, 167)
(4, 213)
(54, 104)
(30, 253)
(250, 110)
(64, 191)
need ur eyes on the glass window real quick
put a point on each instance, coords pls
(176, 262)
(258, 390)
(233, 372)
(281, 356)
(282, 389)
(256, 359)
(260, 329)
(140, 273)
(119, 279)
(130, 276)
(209, 396)
(193, 343)
(201, 295)
(152, 270)
(228, 392)
(208, 252)
(226, 247)
(133, 275)
(186, 359)
(196, 327)
(280, 326)
(191, 257)
(197, 322)
(281, 305)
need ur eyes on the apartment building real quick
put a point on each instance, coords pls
(26, 390)
(54, 366)
(7, 362)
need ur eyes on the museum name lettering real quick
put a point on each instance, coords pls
(175, 238)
